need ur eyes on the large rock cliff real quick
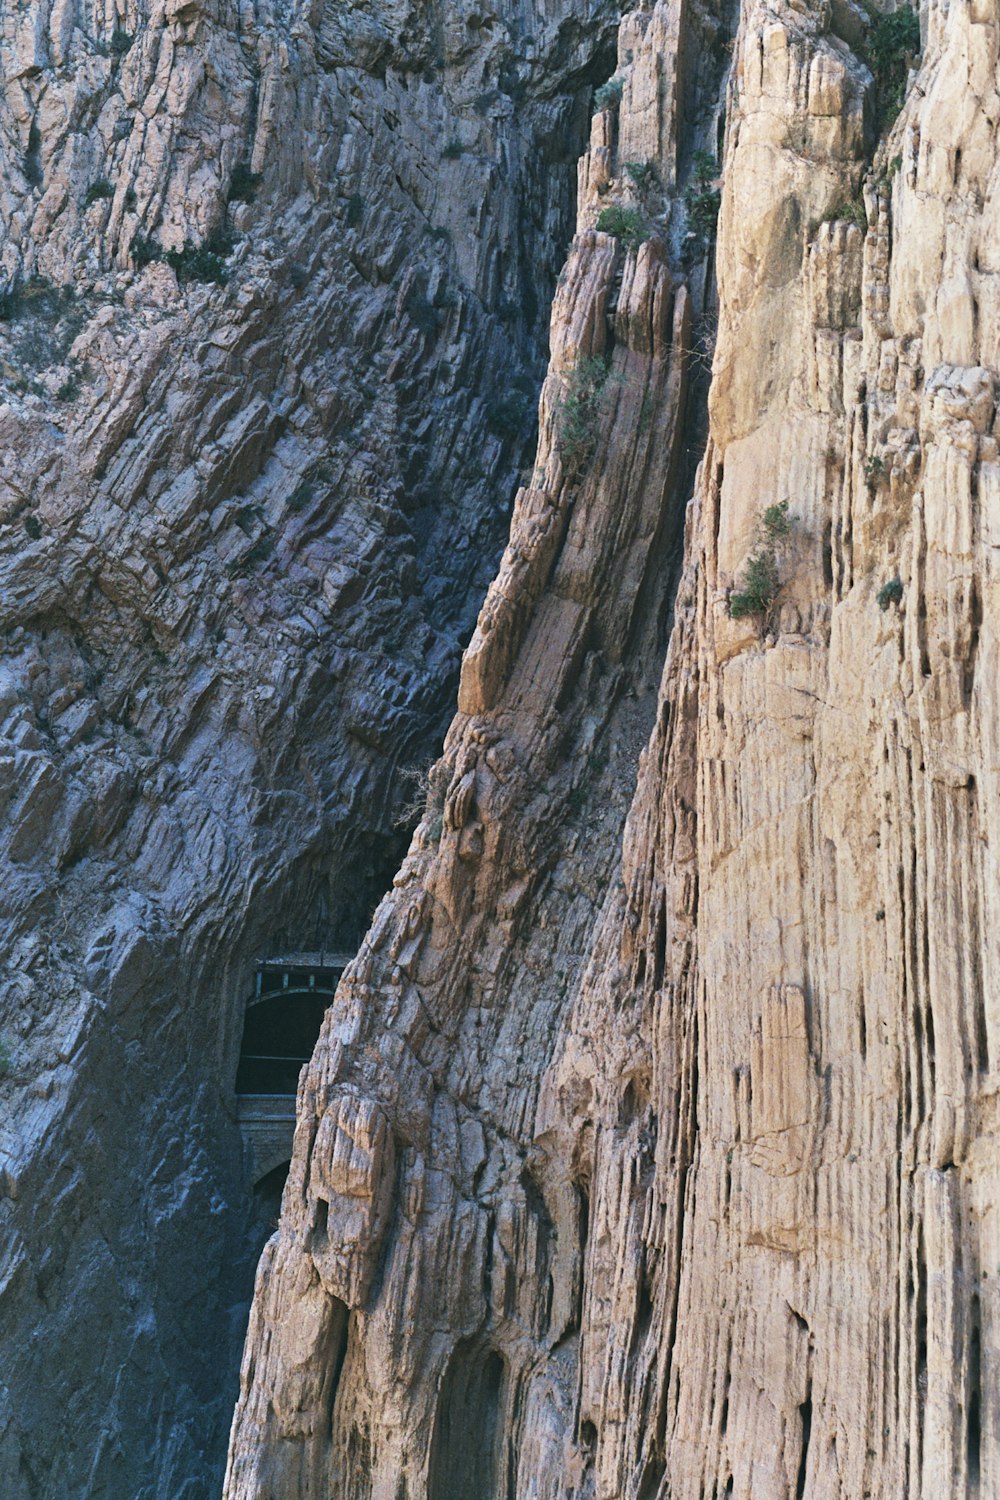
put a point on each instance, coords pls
(650, 1146)
(275, 282)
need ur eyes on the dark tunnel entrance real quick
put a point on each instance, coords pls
(280, 1028)
(283, 1020)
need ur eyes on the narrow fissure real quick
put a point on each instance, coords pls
(973, 1399)
(805, 1417)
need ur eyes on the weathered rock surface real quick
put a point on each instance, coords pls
(245, 525)
(676, 1174)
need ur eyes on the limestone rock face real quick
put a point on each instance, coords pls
(274, 282)
(694, 1163)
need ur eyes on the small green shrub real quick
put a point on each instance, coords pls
(32, 526)
(702, 201)
(578, 413)
(892, 39)
(70, 388)
(453, 149)
(246, 519)
(760, 587)
(775, 522)
(643, 174)
(44, 319)
(701, 198)
(874, 470)
(510, 82)
(355, 210)
(121, 42)
(890, 593)
(144, 251)
(853, 210)
(243, 184)
(626, 224)
(260, 551)
(102, 188)
(130, 198)
(762, 576)
(609, 95)
(192, 262)
(6, 1058)
(199, 263)
(33, 157)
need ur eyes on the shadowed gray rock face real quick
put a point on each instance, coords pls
(277, 283)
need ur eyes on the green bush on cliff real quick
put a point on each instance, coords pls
(192, 262)
(890, 593)
(701, 197)
(609, 95)
(200, 262)
(853, 210)
(643, 174)
(578, 413)
(701, 200)
(98, 190)
(891, 42)
(626, 224)
(243, 184)
(762, 576)
(510, 415)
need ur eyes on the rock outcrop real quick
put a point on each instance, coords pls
(275, 284)
(656, 1154)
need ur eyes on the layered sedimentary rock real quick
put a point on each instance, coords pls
(273, 303)
(657, 1155)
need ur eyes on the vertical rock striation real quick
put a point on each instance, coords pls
(676, 1174)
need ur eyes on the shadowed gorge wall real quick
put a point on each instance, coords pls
(270, 275)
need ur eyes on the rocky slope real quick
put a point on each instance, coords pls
(656, 1155)
(276, 289)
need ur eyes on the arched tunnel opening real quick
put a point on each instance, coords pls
(283, 1019)
(281, 1025)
